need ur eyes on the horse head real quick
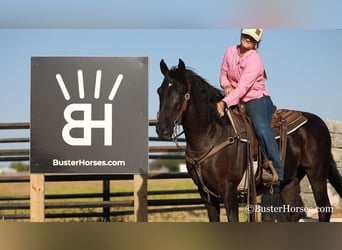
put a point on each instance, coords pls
(174, 94)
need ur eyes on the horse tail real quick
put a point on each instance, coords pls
(335, 177)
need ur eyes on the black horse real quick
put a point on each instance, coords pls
(189, 100)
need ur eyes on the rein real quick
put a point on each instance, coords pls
(196, 162)
(211, 152)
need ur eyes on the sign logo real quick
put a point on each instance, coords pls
(87, 123)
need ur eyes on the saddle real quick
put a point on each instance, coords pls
(283, 123)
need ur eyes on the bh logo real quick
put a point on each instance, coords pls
(87, 124)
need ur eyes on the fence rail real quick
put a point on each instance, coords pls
(105, 199)
(52, 201)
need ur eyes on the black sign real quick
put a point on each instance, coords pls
(89, 115)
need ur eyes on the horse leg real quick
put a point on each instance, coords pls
(290, 195)
(231, 203)
(213, 211)
(320, 192)
(212, 206)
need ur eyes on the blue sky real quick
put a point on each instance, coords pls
(301, 47)
(303, 65)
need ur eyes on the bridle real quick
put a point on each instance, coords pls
(184, 104)
(177, 122)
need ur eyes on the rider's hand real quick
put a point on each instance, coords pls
(220, 108)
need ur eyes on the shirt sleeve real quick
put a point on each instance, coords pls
(252, 69)
(224, 81)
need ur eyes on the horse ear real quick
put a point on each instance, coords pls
(163, 67)
(181, 65)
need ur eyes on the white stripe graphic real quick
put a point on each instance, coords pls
(63, 87)
(115, 87)
(80, 83)
(97, 84)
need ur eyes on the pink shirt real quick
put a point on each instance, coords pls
(245, 74)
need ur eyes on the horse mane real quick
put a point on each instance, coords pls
(203, 94)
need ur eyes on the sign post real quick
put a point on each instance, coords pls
(37, 196)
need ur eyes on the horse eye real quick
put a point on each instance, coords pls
(170, 84)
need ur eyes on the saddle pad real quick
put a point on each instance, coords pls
(244, 181)
(292, 119)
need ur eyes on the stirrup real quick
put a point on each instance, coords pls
(267, 178)
(270, 179)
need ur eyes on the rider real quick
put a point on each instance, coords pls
(243, 80)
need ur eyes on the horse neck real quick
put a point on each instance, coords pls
(194, 128)
(200, 133)
(203, 130)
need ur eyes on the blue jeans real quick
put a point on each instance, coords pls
(260, 112)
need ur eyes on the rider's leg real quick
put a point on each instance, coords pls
(260, 112)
